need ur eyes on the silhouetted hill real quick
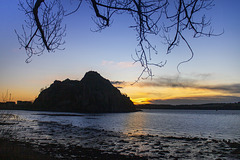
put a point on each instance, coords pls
(92, 94)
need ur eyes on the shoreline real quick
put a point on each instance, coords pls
(17, 108)
(209, 106)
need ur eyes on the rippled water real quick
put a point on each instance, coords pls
(155, 134)
(193, 123)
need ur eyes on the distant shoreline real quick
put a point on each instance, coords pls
(209, 106)
(32, 107)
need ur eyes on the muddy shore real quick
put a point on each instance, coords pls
(15, 150)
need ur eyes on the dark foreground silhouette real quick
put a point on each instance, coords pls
(92, 94)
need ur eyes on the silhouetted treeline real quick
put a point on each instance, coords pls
(210, 106)
(20, 105)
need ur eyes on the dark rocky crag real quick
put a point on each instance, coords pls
(93, 94)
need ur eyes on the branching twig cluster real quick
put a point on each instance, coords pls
(169, 19)
(43, 29)
(187, 18)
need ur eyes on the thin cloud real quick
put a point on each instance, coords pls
(105, 63)
(176, 82)
(119, 84)
(118, 64)
(197, 100)
(168, 82)
(229, 88)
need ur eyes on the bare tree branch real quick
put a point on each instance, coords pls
(43, 29)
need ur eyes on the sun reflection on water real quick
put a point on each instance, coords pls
(136, 124)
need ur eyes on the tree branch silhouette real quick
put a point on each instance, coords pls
(43, 29)
(170, 19)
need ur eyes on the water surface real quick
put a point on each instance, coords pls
(222, 124)
(155, 134)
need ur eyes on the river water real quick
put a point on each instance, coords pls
(194, 123)
(152, 133)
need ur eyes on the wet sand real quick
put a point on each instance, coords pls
(71, 142)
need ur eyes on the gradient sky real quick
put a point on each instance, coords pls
(213, 75)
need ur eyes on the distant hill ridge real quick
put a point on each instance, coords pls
(209, 106)
(92, 94)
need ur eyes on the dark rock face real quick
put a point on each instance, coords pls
(92, 94)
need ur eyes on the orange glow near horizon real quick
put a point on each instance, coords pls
(139, 95)
(19, 95)
(138, 101)
(147, 95)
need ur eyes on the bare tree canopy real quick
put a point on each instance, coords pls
(169, 19)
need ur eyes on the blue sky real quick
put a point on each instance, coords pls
(211, 76)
